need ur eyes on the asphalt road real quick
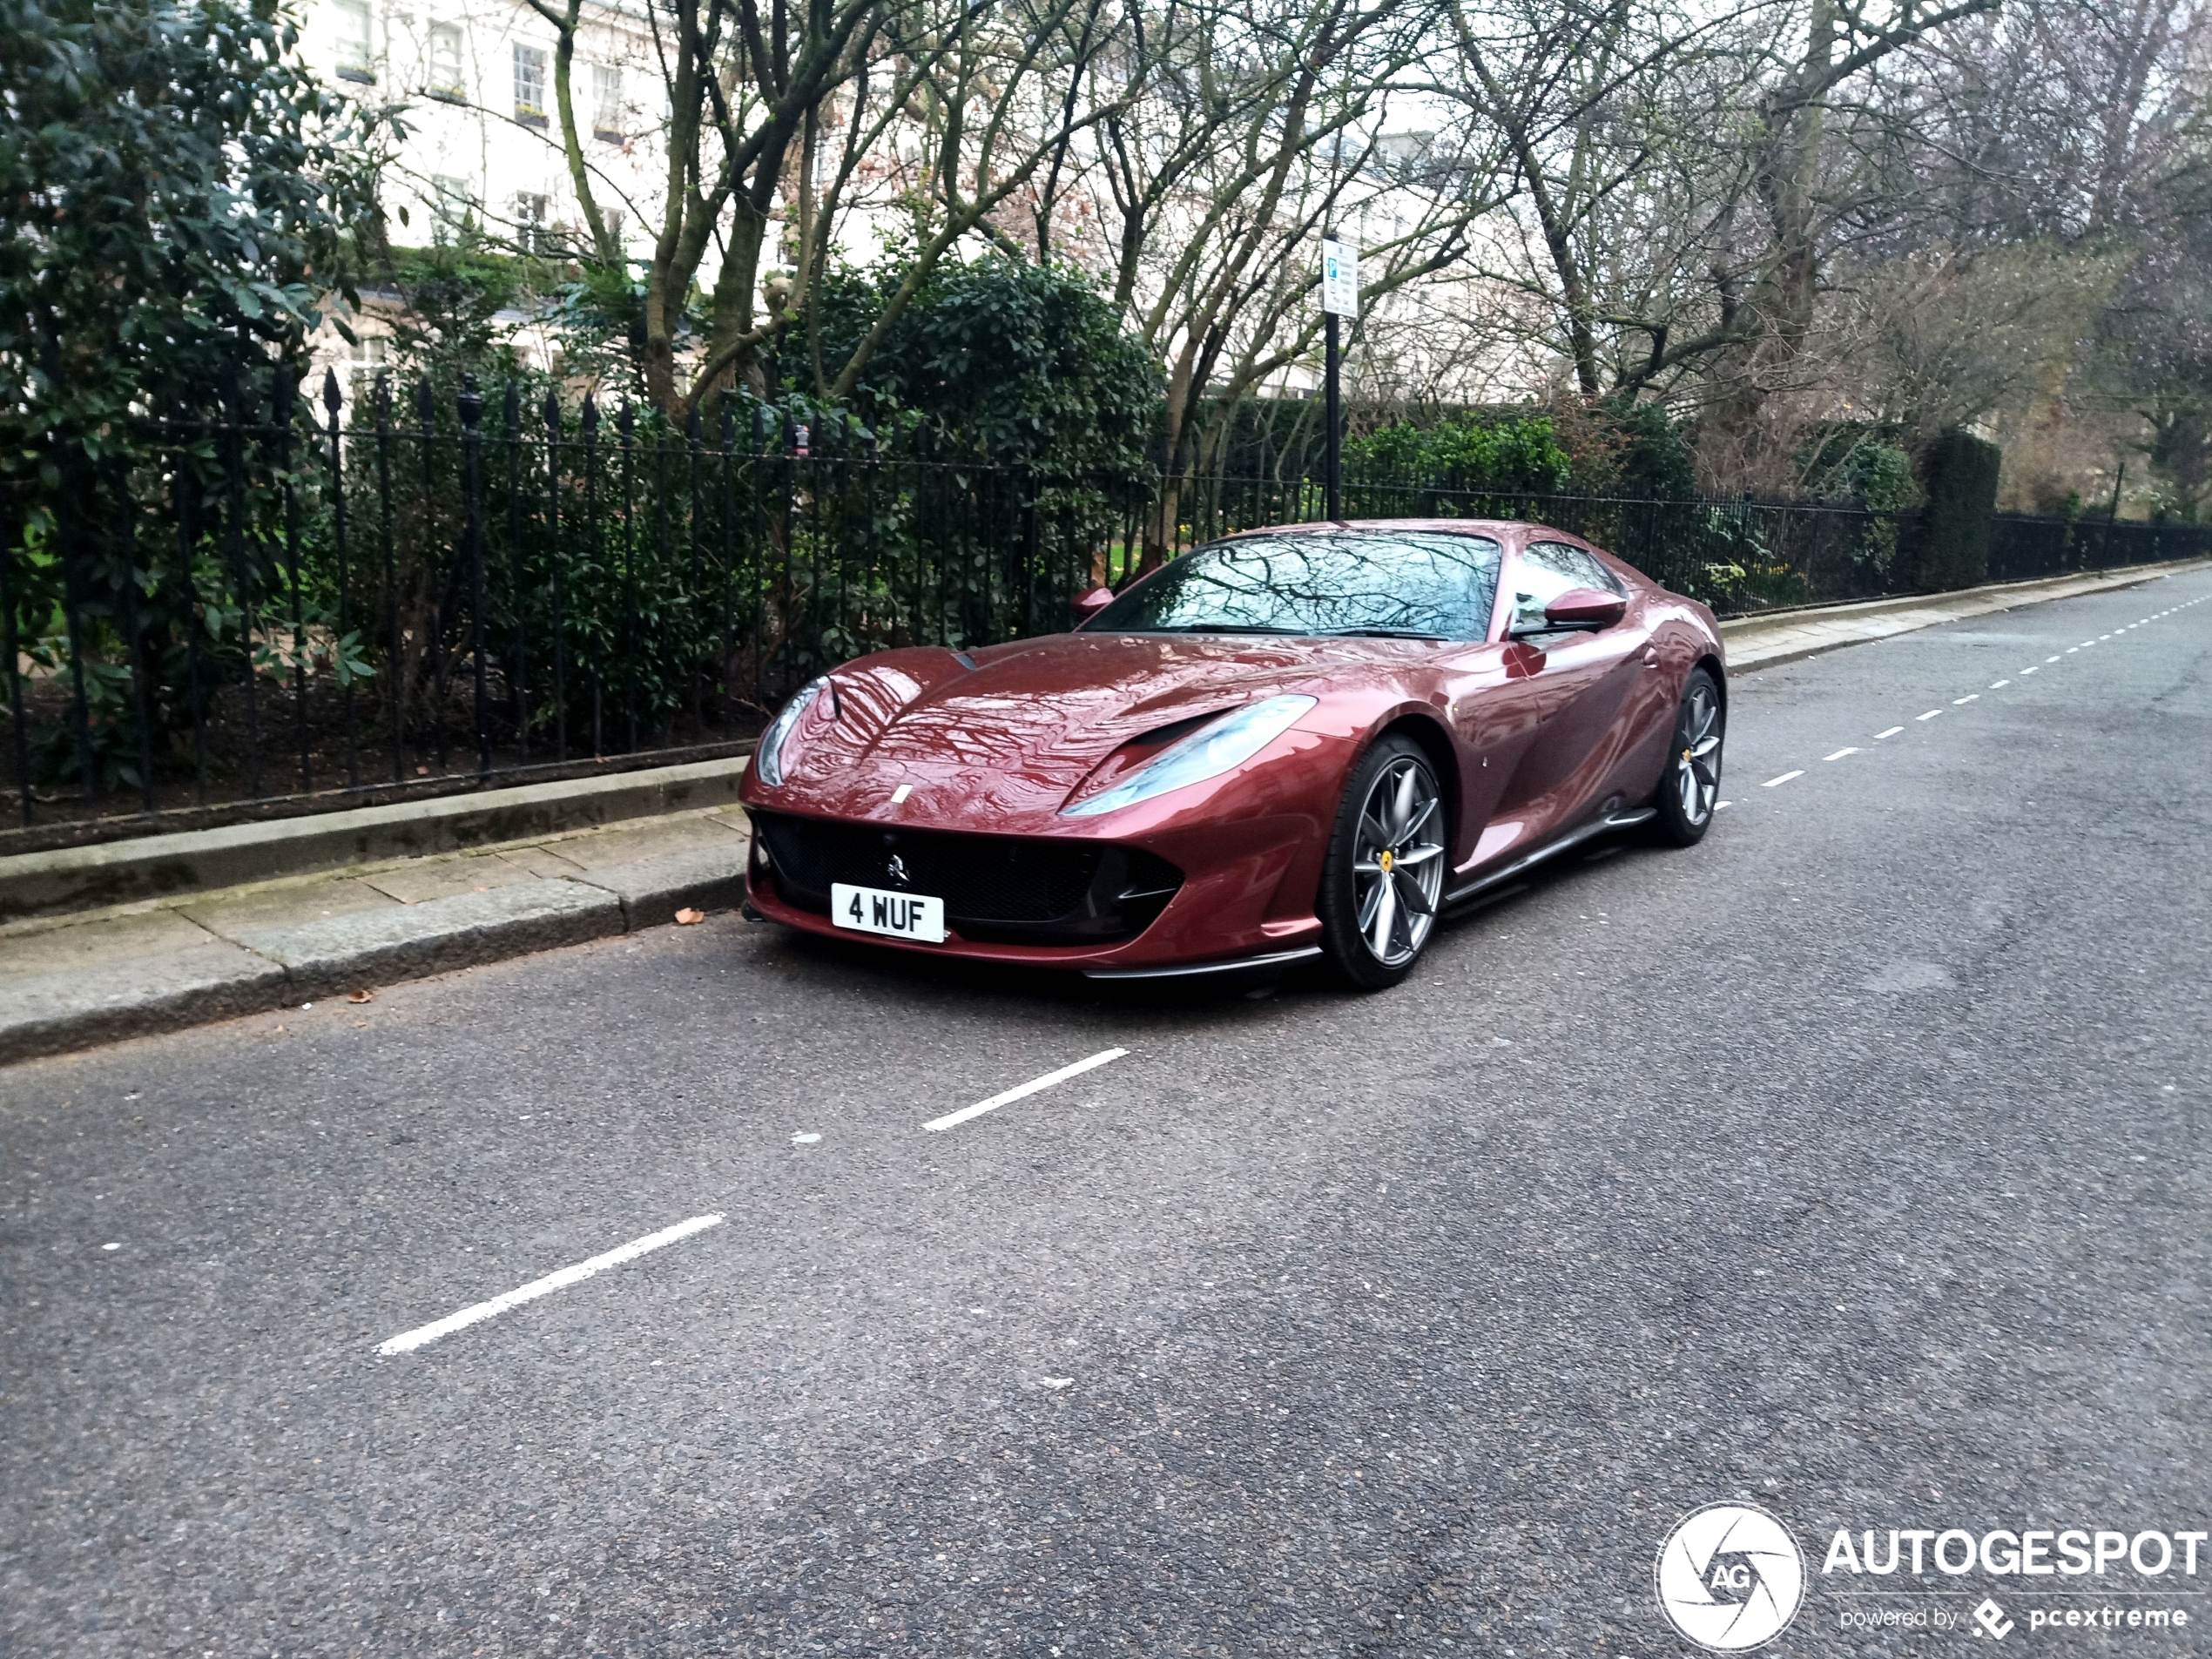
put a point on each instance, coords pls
(1854, 1163)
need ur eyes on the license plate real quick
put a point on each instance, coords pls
(898, 915)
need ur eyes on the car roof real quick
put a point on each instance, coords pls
(1492, 528)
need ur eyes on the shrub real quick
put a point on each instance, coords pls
(1516, 456)
(1959, 472)
(1027, 360)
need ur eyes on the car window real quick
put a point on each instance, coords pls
(1426, 584)
(1596, 573)
(1545, 569)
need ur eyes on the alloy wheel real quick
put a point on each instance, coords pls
(1398, 862)
(1698, 762)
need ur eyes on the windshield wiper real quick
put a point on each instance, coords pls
(1381, 633)
(1214, 628)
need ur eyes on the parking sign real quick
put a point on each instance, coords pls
(1340, 278)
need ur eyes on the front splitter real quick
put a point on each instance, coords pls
(1273, 959)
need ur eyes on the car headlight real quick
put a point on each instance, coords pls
(1207, 752)
(768, 754)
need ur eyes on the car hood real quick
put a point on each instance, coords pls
(1019, 730)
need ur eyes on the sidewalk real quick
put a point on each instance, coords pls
(68, 981)
(1762, 642)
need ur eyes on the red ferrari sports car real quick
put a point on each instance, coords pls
(1306, 742)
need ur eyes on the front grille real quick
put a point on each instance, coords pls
(995, 889)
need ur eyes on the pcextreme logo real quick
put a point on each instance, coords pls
(1730, 1577)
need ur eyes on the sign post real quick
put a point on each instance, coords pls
(1340, 298)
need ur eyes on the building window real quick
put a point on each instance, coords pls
(370, 359)
(356, 40)
(532, 233)
(453, 209)
(530, 85)
(606, 102)
(447, 79)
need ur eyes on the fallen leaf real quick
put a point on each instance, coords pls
(684, 918)
(364, 994)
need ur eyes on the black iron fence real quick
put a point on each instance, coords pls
(269, 606)
(276, 607)
(1739, 555)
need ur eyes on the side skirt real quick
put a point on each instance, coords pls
(1590, 832)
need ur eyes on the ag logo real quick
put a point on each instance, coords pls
(1730, 1577)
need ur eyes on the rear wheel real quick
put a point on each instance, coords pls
(1691, 788)
(1384, 882)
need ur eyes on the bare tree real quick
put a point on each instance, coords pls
(1228, 145)
(775, 112)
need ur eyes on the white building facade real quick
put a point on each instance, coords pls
(482, 145)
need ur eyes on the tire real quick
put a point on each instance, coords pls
(1691, 786)
(1384, 880)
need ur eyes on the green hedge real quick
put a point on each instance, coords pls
(1958, 475)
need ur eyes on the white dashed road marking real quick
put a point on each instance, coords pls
(1023, 1090)
(551, 1282)
(565, 1277)
(1975, 697)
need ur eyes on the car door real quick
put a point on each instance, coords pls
(1581, 681)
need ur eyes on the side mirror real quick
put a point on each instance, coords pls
(1579, 610)
(1089, 604)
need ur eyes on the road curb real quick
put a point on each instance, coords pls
(256, 970)
(1795, 635)
(167, 993)
(415, 941)
(157, 866)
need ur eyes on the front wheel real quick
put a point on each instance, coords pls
(1384, 881)
(1691, 788)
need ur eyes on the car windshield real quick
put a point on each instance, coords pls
(1390, 583)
